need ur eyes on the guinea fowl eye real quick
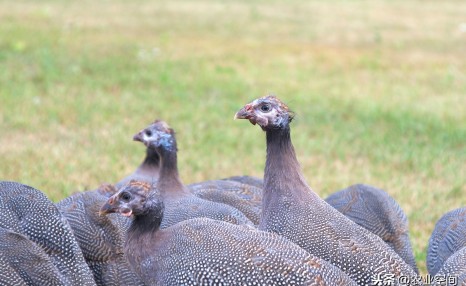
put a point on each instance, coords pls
(148, 133)
(125, 196)
(265, 108)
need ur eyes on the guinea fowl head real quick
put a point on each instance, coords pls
(135, 198)
(268, 111)
(157, 135)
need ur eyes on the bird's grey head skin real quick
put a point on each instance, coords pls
(156, 135)
(135, 198)
(268, 111)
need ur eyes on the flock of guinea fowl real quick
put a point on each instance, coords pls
(150, 229)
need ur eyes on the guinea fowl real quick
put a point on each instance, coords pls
(292, 209)
(454, 269)
(378, 212)
(101, 238)
(180, 203)
(244, 197)
(28, 213)
(449, 236)
(203, 251)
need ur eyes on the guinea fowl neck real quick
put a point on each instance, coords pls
(282, 171)
(151, 163)
(152, 159)
(146, 224)
(169, 180)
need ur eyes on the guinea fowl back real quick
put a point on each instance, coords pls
(22, 262)
(247, 180)
(180, 203)
(454, 268)
(378, 212)
(27, 211)
(203, 251)
(449, 236)
(291, 209)
(101, 238)
(243, 197)
(8, 275)
(230, 254)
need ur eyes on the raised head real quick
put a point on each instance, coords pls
(268, 111)
(156, 135)
(135, 198)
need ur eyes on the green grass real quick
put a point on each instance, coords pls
(379, 88)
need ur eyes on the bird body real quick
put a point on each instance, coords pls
(244, 197)
(376, 211)
(247, 180)
(448, 237)
(34, 230)
(454, 269)
(203, 251)
(23, 262)
(102, 238)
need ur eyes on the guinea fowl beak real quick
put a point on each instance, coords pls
(106, 209)
(243, 113)
(138, 137)
(247, 112)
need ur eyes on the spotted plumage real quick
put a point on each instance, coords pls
(449, 236)
(291, 208)
(244, 197)
(247, 180)
(31, 220)
(203, 251)
(180, 203)
(23, 262)
(376, 211)
(454, 268)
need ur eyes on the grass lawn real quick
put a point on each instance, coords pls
(379, 89)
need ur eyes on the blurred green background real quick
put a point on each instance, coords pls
(379, 89)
